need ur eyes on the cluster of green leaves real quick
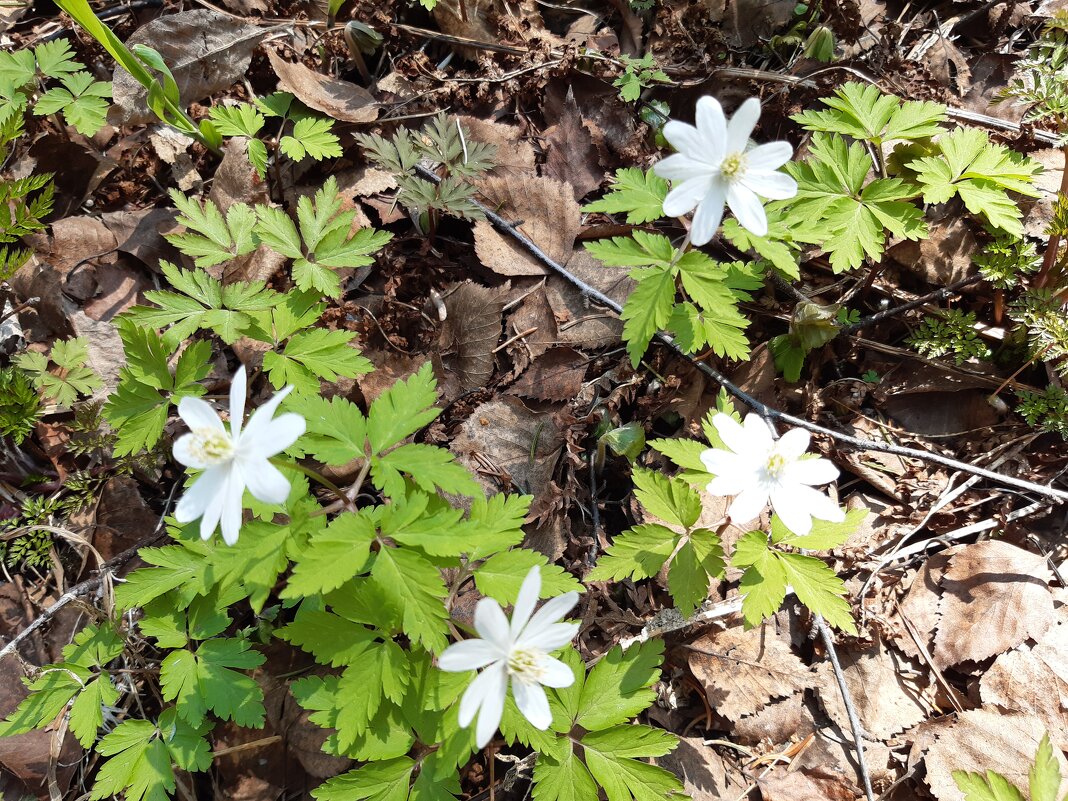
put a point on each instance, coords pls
(24, 202)
(1046, 410)
(20, 404)
(1041, 314)
(812, 325)
(447, 146)
(310, 135)
(637, 76)
(706, 316)
(949, 333)
(62, 376)
(1039, 79)
(81, 99)
(1006, 259)
(695, 553)
(771, 563)
(1043, 780)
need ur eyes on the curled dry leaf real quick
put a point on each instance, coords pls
(886, 701)
(986, 739)
(547, 215)
(469, 335)
(340, 100)
(205, 50)
(742, 671)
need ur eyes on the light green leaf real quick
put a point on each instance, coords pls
(637, 553)
(312, 136)
(818, 588)
(619, 686)
(636, 193)
(414, 590)
(333, 555)
(501, 576)
(206, 681)
(378, 781)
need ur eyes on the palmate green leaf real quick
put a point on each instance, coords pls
(312, 356)
(781, 245)
(685, 453)
(140, 764)
(647, 309)
(501, 576)
(333, 556)
(403, 409)
(19, 67)
(414, 590)
(861, 111)
(55, 59)
(695, 329)
(991, 787)
(174, 566)
(763, 584)
(563, 779)
(205, 681)
(74, 379)
(981, 173)
(87, 711)
(82, 99)
(260, 556)
(383, 672)
(818, 588)
(636, 193)
(330, 638)
(427, 466)
(312, 136)
(698, 561)
(824, 534)
(378, 781)
(609, 757)
(641, 249)
(241, 119)
(496, 523)
(619, 687)
(210, 237)
(670, 499)
(49, 694)
(637, 553)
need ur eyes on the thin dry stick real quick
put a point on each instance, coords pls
(761, 408)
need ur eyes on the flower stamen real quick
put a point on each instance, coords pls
(524, 664)
(212, 446)
(733, 166)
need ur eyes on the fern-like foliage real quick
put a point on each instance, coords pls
(1046, 410)
(1041, 312)
(1039, 80)
(949, 333)
(19, 404)
(1006, 259)
(24, 202)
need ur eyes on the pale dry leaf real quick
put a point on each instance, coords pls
(780, 784)
(703, 771)
(994, 596)
(548, 216)
(1039, 213)
(340, 100)
(943, 256)
(1019, 681)
(556, 375)
(470, 333)
(986, 739)
(572, 157)
(534, 312)
(504, 441)
(140, 233)
(205, 50)
(741, 671)
(885, 700)
(775, 723)
(579, 321)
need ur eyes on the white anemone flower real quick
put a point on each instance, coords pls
(715, 164)
(232, 459)
(759, 468)
(517, 651)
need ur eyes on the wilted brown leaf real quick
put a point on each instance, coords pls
(742, 671)
(556, 375)
(994, 596)
(515, 155)
(205, 50)
(702, 770)
(340, 100)
(470, 333)
(572, 156)
(548, 216)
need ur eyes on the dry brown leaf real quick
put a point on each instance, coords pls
(1039, 213)
(572, 156)
(742, 671)
(390, 366)
(549, 217)
(986, 739)
(535, 312)
(1019, 681)
(942, 257)
(206, 51)
(470, 334)
(580, 322)
(140, 233)
(702, 770)
(920, 609)
(515, 155)
(77, 169)
(812, 784)
(885, 701)
(340, 100)
(994, 596)
(505, 441)
(556, 375)
(778, 722)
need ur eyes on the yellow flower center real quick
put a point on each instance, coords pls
(776, 463)
(212, 446)
(525, 665)
(733, 166)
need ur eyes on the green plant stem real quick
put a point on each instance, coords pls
(313, 475)
(1049, 258)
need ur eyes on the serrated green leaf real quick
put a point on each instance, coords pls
(174, 566)
(641, 249)
(763, 584)
(1044, 778)
(312, 356)
(378, 781)
(402, 410)
(637, 553)
(501, 576)
(619, 686)
(991, 787)
(609, 755)
(54, 58)
(669, 499)
(413, 588)
(206, 681)
(312, 136)
(824, 534)
(210, 237)
(87, 713)
(242, 119)
(427, 466)
(140, 764)
(861, 111)
(333, 555)
(818, 588)
(647, 309)
(566, 779)
(636, 193)
(82, 101)
(336, 428)
(331, 639)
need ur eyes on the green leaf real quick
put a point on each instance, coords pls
(641, 249)
(496, 523)
(780, 246)
(87, 713)
(312, 136)
(402, 410)
(763, 584)
(276, 230)
(336, 428)
(331, 639)
(414, 590)
(619, 687)
(566, 779)
(861, 111)
(824, 534)
(140, 765)
(1045, 775)
(49, 695)
(669, 499)
(333, 555)
(685, 453)
(691, 570)
(818, 588)
(636, 193)
(608, 757)
(647, 309)
(242, 119)
(428, 467)
(315, 355)
(74, 378)
(18, 68)
(637, 553)
(205, 681)
(378, 781)
(210, 237)
(82, 101)
(174, 566)
(54, 58)
(501, 576)
(992, 787)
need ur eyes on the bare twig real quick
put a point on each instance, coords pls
(932, 297)
(758, 406)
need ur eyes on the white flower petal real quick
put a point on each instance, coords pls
(552, 637)
(259, 424)
(491, 624)
(525, 603)
(266, 482)
(747, 208)
(770, 185)
(684, 138)
(198, 495)
(680, 167)
(769, 156)
(741, 125)
(819, 505)
(230, 521)
(810, 471)
(790, 506)
(759, 436)
(719, 462)
(731, 432)
(468, 655)
(531, 700)
(556, 673)
(685, 196)
(238, 392)
(554, 610)
(475, 693)
(272, 438)
(730, 484)
(214, 509)
(793, 444)
(708, 216)
(712, 125)
(489, 718)
(185, 454)
(748, 505)
(197, 413)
